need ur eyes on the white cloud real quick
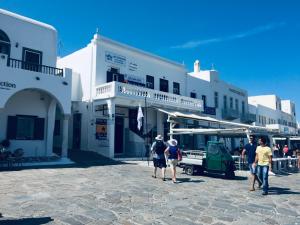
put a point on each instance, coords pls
(254, 31)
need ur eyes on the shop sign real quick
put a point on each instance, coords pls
(7, 85)
(134, 78)
(101, 129)
(115, 58)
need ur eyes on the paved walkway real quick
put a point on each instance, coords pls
(126, 194)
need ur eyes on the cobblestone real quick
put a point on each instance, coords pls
(126, 194)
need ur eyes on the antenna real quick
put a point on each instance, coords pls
(97, 30)
(212, 66)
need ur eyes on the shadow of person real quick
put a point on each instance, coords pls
(25, 221)
(282, 191)
(184, 180)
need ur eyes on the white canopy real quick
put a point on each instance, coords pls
(237, 130)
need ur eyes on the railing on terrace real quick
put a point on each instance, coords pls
(230, 114)
(248, 118)
(114, 89)
(15, 63)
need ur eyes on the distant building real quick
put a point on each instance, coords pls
(272, 112)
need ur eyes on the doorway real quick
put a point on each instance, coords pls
(76, 131)
(119, 133)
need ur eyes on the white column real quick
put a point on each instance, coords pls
(50, 127)
(160, 123)
(64, 146)
(111, 127)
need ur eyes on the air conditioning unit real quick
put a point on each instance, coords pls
(3, 59)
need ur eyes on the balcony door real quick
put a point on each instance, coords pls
(164, 85)
(32, 59)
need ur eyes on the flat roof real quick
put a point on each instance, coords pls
(26, 19)
(110, 41)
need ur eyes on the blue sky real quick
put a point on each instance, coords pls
(254, 44)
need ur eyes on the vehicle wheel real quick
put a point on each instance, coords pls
(189, 170)
(230, 174)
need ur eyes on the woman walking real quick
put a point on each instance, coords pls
(172, 154)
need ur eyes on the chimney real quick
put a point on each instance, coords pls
(197, 66)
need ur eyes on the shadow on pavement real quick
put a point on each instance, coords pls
(25, 221)
(82, 159)
(219, 176)
(188, 180)
(282, 191)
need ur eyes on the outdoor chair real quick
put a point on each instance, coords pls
(18, 156)
(4, 158)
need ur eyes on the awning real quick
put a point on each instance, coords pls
(234, 129)
(176, 114)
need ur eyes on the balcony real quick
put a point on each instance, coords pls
(19, 64)
(230, 114)
(209, 111)
(248, 118)
(153, 97)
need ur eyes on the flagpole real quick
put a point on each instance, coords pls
(146, 127)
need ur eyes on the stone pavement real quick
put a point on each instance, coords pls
(126, 194)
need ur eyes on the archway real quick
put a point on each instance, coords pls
(28, 120)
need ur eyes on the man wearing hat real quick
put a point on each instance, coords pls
(159, 160)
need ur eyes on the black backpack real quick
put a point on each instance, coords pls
(160, 147)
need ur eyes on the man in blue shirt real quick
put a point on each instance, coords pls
(250, 151)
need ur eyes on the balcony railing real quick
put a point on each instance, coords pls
(230, 114)
(117, 89)
(248, 118)
(15, 63)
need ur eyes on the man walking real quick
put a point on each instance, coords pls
(250, 151)
(264, 160)
(159, 160)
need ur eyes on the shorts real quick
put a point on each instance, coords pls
(173, 162)
(253, 170)
(160, 163)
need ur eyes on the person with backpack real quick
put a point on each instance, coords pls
(159, 160)
(174, 155)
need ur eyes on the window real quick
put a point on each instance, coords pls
(114, 75)
(237, 105)
(193, 95)
(150, 82)
(243, 107)
(231, 102)
(32, 59)
(216, 99)
(163, 85)
(23, 127)
(204, 100)
(176, 88)
(4, 43)
(225, 102)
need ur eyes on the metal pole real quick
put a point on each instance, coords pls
(146, 127)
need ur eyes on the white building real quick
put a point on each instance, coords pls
(34, 94)
(112, 80)
(272, 112)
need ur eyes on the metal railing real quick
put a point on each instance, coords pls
(230, 114)
(15, 63)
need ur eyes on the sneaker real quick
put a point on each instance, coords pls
(252, 189)
(163, 179)
(153, 176)
(265, 193)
